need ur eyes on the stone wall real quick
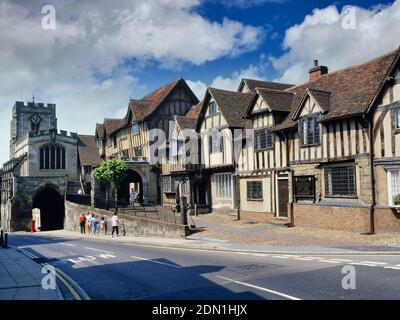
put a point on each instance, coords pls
(134, 226)
(332, 217)
(387, 220)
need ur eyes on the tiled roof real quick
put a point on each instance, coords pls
(253, 84)
(352, 89)
(88, 151)
(194, 111)
(100, 130)
(276, 100)
(185, 122)
(148, 104)
(233, 106)
(112, 125)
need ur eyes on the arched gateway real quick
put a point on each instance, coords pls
(51, 206)
(132, 180)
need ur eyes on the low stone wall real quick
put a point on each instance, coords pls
(332, 217)
(387, 220)
(134, 226)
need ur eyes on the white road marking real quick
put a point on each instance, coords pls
(329, 261)
(374, 262)
(82, 259)
(259, 255)
(315, 258)
(280, 257)
(106, 256)
(304, 259)
(342, 260)
(391, 267)
(283, 295)
(158, 262)
(67, 244)
(363, 264)
(99, 250)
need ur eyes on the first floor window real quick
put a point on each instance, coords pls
(397, 117)
(223, 186)
(394, 188)
(216, 142)
(340, 182)
(138, 151)
(254, 191)
(52, 157)
(264, 139)
(309, 130)
(135, 129)
(168, 184)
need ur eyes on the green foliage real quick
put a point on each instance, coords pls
(113, 170)
(396, 200)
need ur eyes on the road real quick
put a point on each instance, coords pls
(127, 271)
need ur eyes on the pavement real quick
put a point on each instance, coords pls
(115, 268)
(21, 278)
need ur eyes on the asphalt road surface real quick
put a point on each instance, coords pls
(126, 271)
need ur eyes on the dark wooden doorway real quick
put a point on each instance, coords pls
(283, 197)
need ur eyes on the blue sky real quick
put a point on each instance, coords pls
(103, 52)
(275, 17)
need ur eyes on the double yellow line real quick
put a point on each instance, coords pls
(77, 292)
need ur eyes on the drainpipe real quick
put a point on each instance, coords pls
(291, 203)
(373, 189)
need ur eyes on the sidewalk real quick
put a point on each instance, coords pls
(21, 278)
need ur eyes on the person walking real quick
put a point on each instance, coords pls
(89, 223)
(102, 226)
(115, 224)
(82, 223)
(94, 224)
(132, 197)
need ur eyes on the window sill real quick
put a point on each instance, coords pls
(255, 200)
(310, 145)
(266, 149)
(341, 197)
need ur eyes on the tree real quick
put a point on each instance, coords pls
(114, 171)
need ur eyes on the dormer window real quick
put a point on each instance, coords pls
(309, 130)
(264, 139)
(212, 107)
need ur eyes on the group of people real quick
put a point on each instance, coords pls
(94, 225)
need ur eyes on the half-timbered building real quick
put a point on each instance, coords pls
(131, 138)
(341, 145)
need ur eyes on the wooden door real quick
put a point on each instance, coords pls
(283, 197)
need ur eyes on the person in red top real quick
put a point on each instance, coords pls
(82, 223)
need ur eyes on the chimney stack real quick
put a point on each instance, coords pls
(317, 71)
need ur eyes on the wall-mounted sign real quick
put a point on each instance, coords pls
(304, 188)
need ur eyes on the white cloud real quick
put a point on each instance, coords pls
(82, 65)
(322, 36)
(229, 83)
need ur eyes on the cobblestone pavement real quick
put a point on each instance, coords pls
(21, 278)
(226, 227)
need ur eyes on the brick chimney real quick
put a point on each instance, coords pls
(317, 71)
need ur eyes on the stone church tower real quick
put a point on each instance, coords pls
(30, 117)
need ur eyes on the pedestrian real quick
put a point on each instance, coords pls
(102, 226)
(132, 198)
(82, 223)
(94, 224)
(115, 224)
(89, 223)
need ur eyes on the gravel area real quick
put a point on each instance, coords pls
(226, 227)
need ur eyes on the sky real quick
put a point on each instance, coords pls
(99, 53)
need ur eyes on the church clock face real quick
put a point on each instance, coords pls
(35, 119)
